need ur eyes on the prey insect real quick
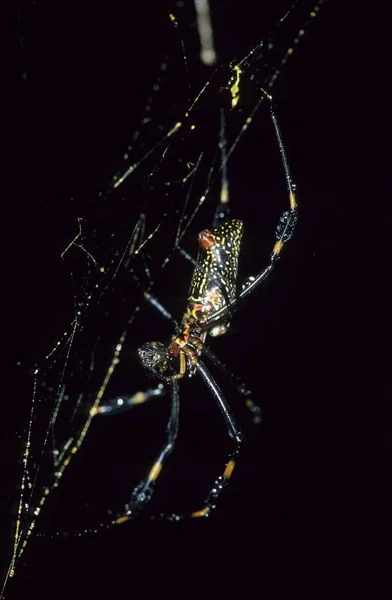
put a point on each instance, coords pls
(211, 302)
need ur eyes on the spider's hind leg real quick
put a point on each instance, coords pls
(218, 486)
(234, 432)
(142, 493)
(241, 388)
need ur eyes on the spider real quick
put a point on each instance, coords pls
(211, 302)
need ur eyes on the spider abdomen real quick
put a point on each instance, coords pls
(213, 283)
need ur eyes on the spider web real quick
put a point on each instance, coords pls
(128, 229)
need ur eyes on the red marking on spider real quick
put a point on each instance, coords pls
(174, 350)
(206, 239)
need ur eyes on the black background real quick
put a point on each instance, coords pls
(312, 487)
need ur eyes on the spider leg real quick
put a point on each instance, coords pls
(287, 220)
(120, 404)
(159, 307)
(142, 493)
(284, 231)
(223, 210)
(239, 385)
(234, 432)
(232, 427)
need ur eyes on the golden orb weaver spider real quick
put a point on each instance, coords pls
(212, 299)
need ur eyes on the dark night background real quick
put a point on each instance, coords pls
(312, 487)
